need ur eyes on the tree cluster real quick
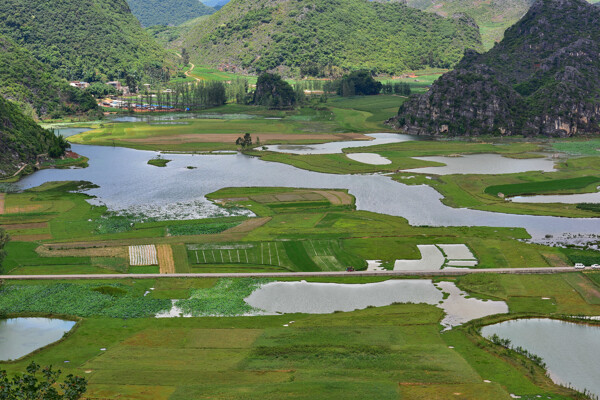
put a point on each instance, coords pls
(31, 386)
(358, 83)
(273, 92)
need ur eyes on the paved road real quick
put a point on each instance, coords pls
(447, 272)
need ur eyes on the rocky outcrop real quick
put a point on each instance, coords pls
(542, 79)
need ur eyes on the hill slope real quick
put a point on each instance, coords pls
(38, 91)
(167, 12)
(543, 78)
(327, 35)
(21, 139)
(493, 17)
(78, 38)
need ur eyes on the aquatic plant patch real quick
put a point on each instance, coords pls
(225, 298)
(84, 300)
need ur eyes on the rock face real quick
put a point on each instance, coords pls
(543, 78)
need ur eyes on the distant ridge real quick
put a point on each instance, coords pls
(167, 12)
(82, 39)
(327, 37)
(543, 78)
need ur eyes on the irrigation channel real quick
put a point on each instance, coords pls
(127, 183)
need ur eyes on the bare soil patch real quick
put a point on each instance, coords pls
(335, 197)
(31, 238)
(22, 208)
(35, 225)
(120, 251)
(248, 225)
(166, 263)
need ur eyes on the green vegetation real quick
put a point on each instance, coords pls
(89, 40)
(326, 38)
(225, 298)
(33, 86)
(359, 83)
(171, 12)
(80, 299)
(158, 161)
(200, 229)
(350, 354)
(550, 186)
(29, 386)
(22, 140)
(273, 92)
(583, 147)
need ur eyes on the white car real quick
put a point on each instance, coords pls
(579, 266)
(595, 266)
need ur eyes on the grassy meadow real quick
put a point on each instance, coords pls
(392, 352)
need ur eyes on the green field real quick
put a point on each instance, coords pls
(393, 352)
(546, 187)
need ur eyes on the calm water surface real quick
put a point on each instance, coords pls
(484, 164)
(570, 351)
(127, 182)
(326, 298)
(21, 336)
(336, 147)
(559, 198)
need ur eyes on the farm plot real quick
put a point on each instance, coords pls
(434, 257)
(263, 253)
(143, 255)
(295, 255)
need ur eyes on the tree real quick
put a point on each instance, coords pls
(244, 142)
(31, 387)
(185, 56)
(4, 239)
(274, 92)
(359, 83)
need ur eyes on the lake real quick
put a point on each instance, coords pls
(570, 350)
(21, 336)
(128, 183)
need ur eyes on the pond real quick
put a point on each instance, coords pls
(326, 298)
(21, 336)
(369, 158)
(484, 164)
(336, 147)
(128, 183)
(570, 350)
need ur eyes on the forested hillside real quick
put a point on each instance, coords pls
(324, 37)
(167, 12)
(22, 140)
(79, 38)
(543, 78)
(35, 88)
(493, 17)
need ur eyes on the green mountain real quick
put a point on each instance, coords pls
(167, 12)
(22, 140)
(31, 84)
(81, 39)
(543, 78)
(493, 17)
(294, 37)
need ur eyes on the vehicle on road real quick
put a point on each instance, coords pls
(595, 266)
(579, 266)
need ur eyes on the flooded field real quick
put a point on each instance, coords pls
(336, 147)
(21, 336)
(325, 298)
(369, 158)
(570, 350)
(483, 164)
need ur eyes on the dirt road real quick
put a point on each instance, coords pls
(453, 272)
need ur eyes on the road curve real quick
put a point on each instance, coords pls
(335, 274)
